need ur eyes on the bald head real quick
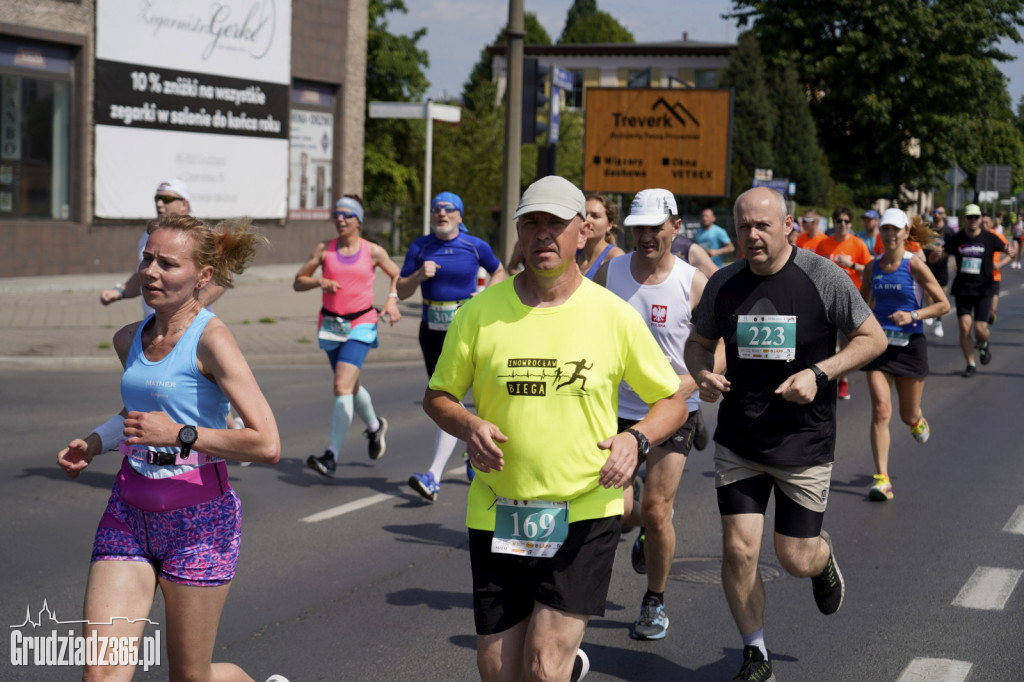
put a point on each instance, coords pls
(764, 197)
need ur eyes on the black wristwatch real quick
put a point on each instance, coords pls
(820, 378)
(643, 446)
(187, 437)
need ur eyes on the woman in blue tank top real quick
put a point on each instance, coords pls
(173, 521)
(893, 284)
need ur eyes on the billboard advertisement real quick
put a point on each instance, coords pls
(671, 138)
(197, 91)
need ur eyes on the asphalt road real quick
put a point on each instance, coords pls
(380, 589)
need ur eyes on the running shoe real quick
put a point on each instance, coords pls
(324, 465)
(580, 667)
(939, 331)
(985, 353)
(844, 389)
(882, 489)
(929, 321)
(828, 587)
(277, 678)
(700, 434)
(377, 445)
(920, 430)
(425, 485)
(637, 554)
(755, 666)
(970, 371)
(652, 623)
(470, 471)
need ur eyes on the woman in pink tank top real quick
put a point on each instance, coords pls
(347, 324)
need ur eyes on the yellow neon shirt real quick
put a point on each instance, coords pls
(548, 378)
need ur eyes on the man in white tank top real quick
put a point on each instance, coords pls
(664, 290)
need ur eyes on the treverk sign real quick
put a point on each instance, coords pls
(637, 138)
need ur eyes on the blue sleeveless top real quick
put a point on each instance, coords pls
(173, 385)
(897, 290)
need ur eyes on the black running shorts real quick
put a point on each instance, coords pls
(575, 580)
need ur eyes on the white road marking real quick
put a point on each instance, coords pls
(1016, 522)
(356, 505)
(346, 508)
(935, 670)
(988, 588)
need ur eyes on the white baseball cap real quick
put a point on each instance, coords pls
(895, 217)
(651, 207)
(174, 185)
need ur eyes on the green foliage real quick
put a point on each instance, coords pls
(885, 76)
(798, 157)
(569, 163)
(467, 163)
(483, 70)
(753, 123)
(393, 164)
(580, 9)
(599, 27)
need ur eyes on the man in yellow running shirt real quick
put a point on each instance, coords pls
(544, 353)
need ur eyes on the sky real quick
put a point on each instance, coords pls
(457, 31)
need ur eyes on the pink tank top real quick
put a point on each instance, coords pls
(355, 275)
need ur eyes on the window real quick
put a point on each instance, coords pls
(35, 114)
(639, 79)
(705, 79)
(574, 98)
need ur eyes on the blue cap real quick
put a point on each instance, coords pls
(350, 204)
(448, 198)
(871, 213)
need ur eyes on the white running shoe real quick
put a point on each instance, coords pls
(939, 332)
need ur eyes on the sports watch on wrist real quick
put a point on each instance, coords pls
(820, 378)
(187, 437)
(915, 316)
(643, 446)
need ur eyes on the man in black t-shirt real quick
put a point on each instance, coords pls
(974, 286)
(779, 311)
(938, 259)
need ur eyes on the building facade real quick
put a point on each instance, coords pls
(257, 106)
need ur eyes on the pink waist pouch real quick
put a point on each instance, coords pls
(164, 494)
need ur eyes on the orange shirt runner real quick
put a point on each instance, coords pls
(851, 246)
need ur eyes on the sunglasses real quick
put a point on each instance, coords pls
(843, 221)
(441, 207)
(164, 199)
(972, 217)
(344, 215)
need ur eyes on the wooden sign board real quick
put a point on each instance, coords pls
(637, 138)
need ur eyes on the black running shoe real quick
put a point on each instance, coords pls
(755, 666)
(324, 465)
(377, 444)
(637, 553)
(985, 353)
(828, 587)
(970, 371)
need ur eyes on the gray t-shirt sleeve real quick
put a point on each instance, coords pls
(844, 305)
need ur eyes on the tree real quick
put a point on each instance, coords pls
(754, 118)
(393, 163)
(483, 70)
(579, 9)
(797, 154)
(599, 27)
(888, 78)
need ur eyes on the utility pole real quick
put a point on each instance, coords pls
(513, 129)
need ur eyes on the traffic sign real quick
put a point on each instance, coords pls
(658, 137)
(995, 178)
